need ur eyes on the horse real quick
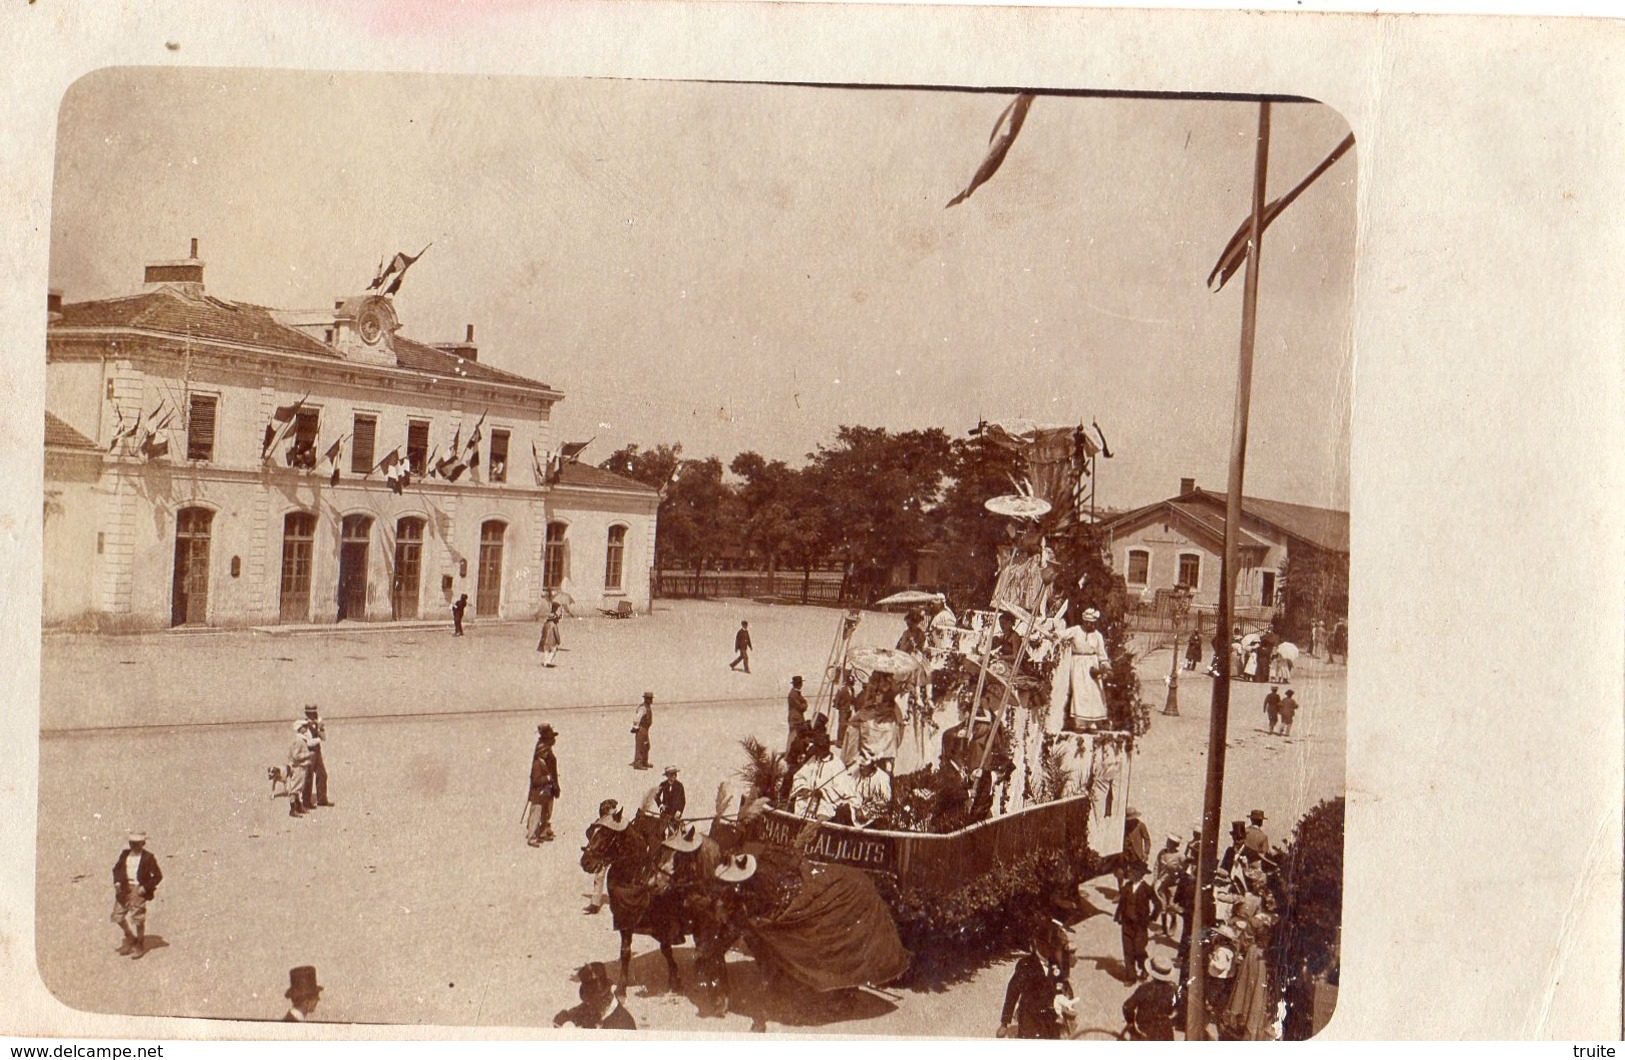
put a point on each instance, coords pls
(640, 897)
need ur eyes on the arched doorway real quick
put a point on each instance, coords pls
(298, 546)
(403, 593)
(488, 591)
(353, 542)
(189, 600)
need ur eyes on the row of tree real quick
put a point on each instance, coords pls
(866, 503)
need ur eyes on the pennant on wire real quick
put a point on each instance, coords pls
(1004, 134)
(1235, 251)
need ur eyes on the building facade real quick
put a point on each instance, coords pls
(219, 463)
(1292, 559)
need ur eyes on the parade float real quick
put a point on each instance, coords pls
(981, 769)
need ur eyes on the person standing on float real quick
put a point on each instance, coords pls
(1089, 665)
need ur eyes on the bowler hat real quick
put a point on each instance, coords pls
(1257, 816)
(302, 982)
(593, 974)
(684, 840)
(648, 697)
(736, 869)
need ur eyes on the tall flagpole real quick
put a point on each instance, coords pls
(1213, 799)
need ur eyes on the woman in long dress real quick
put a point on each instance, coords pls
(1089, 664)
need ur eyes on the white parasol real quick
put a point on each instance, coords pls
(883, 661)
(909, 596)
(1018, 506)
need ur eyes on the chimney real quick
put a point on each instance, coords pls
(470, 339)
(465, 349)
(1187, 485)
(185, 275)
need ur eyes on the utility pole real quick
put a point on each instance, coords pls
(1213, 800)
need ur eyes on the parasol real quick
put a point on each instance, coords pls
(909, 596)
(883, 661)
(1287, 650)
(1018, 506)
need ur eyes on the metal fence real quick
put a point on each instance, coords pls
(822, 587)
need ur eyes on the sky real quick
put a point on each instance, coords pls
(748, 266)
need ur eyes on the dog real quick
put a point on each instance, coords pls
(279, 779)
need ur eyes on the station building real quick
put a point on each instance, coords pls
(219, 463)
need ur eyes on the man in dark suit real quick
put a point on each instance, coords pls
(303, 992)
(1148, 1014)
(742, 646)
(600, 1007)
(796, 711)
(135, 880)
(544, 788)
(671, 800)
(1038, 1003)
(318, 763)
(1137, 907)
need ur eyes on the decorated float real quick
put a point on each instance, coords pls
(981, 768)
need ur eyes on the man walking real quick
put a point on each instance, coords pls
(1289, 707)
(742, 648)
(318, 762)
(135, 880)
(457, 610)
(641, 724)
(1272, 707)
(1137, 907)
(796, 709)
(544, 788)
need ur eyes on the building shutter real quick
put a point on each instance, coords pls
(361, 450)
(200, 427)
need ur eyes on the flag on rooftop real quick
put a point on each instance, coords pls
(395, 271)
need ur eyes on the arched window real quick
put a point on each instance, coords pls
(555, 558)
(614, 558)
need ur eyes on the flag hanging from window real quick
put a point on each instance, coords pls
(281, 419)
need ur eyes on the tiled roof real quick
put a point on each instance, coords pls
(201, 318)
(59, 435)
(208, 318)
(417, 357)
(578, 474)
(1324, 528)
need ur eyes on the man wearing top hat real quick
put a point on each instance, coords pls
(318, 763)
(303, 992)
(641, 723)
(544, 788)
(1038, 1003)
(600, 1007)
(135, 880)
(1255, 839)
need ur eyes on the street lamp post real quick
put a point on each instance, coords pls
(1181, 607)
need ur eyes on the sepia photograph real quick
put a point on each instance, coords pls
(695, 556)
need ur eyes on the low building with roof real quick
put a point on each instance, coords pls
(1292, 559)
(244, 465)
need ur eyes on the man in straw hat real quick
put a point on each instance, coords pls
(544, 788)
(318, 764)
(135, 880)
(301, 760)
(1148, 1014)
(303, 992)
(670, 799)
(1255, 839)
(730, 909)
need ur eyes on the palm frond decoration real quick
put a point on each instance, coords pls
(1056, 779)
(764, 770)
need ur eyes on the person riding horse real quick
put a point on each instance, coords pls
(640, 898)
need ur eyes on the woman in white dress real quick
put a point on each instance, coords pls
(1089, 664)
